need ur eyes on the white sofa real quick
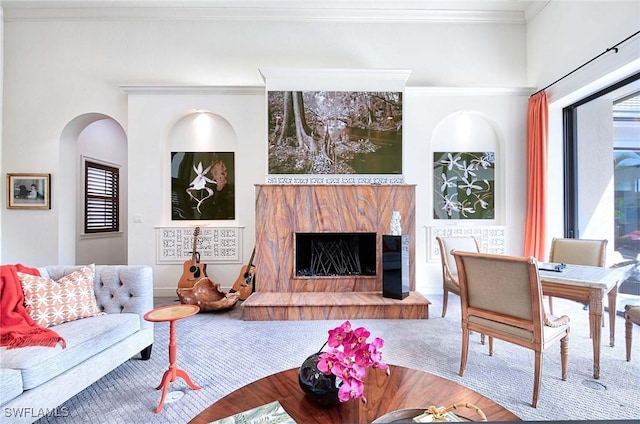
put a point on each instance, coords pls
(35, 381)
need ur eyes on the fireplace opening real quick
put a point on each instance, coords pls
(335, 254)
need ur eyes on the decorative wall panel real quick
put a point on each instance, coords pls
(214, 244)
(490, 238)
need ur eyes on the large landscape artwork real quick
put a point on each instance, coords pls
(334, 132)
(202, 186)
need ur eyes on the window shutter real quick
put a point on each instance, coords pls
(101, 198)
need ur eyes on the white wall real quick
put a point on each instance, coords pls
(153, 115)
(58, 69)
(595, 171)
(506, 110)
(562, 37)
(91, 59)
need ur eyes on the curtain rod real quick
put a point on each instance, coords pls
(614, 49)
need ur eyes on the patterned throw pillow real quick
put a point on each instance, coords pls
(51, 302)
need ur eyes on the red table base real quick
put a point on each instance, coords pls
(172, 314)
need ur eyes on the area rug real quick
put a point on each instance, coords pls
(222, 353)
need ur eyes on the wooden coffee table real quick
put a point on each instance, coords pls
(404, 388)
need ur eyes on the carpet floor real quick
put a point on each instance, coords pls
(222, 353)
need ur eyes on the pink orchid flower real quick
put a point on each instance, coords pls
(348, 357)
(351, 389)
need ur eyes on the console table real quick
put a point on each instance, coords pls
(404, 388)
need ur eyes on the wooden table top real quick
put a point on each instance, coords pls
(404, 388)
(584, 276)
(171, 312)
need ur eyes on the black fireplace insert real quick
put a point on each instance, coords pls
(335, 254)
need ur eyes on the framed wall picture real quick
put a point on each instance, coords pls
(29, 191)
(335, 132)
(202, 186)
(463, 185)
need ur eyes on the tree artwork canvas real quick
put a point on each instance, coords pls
(463, 185)
(202, 186)
(331, 132)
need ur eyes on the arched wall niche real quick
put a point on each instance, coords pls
(201, 130)
(471, 131)
(197, 130)
(99, 137)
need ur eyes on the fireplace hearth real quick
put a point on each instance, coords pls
(335, 254)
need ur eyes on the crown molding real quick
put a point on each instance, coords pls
(181, 90)
(471, 91)
(335, 79)
(534, 8)
(266, 10)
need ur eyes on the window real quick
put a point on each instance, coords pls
(599, 126)
(101, 198)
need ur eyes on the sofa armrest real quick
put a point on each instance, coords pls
(118, 288)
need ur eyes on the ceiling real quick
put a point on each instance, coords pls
(514, 11)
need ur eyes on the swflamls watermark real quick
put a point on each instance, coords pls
(24, 412)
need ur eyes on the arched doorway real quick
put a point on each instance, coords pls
(98, 138)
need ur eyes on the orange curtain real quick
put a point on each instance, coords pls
(537, 147)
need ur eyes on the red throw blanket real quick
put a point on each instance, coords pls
(17, 329)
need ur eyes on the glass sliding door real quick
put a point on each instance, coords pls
(602, 176)
(626, 159)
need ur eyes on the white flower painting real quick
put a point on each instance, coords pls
(463, 185)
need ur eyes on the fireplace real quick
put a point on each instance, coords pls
(302, 229)
(335, 254)
(363, 212)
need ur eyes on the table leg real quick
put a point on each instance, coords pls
(173, 372)
(595, 321)
(166, 379)
(183, 374)
(612, 297)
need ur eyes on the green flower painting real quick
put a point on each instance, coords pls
(463, 185)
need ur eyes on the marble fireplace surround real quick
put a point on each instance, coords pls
(284, 210)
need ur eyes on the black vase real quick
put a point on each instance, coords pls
(317, 386)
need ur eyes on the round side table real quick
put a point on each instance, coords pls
(172, 313)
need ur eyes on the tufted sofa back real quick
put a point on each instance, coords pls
(118, 288)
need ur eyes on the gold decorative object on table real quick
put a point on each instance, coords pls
(431, 414)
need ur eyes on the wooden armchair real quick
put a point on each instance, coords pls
(449, 268)
(631, 316)
(502, 297)
(579, 251)
(588, 252)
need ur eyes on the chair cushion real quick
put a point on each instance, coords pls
(85, 338)
(548, 332)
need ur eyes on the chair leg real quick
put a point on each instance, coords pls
(628, 331)
(537, 375)
(490, 346)
(465, 351)
(564, 356)
(445, 300)
(551, 305)
(482, 337)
